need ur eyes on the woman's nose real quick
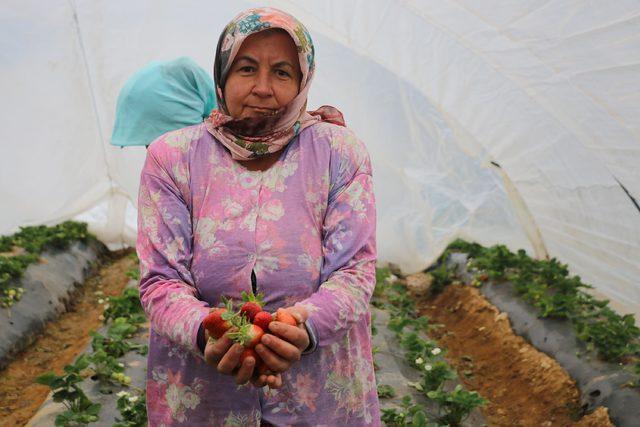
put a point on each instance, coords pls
(263, 87)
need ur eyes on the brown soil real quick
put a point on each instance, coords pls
(63, 341)
(523, 386)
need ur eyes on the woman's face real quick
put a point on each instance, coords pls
(264, 77)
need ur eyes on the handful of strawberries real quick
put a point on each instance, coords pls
(250, 323)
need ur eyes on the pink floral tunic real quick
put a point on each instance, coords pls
(306, 227)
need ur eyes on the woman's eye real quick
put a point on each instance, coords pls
(246, 69)
(282, 73)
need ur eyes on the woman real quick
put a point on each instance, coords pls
(161, 97)
(263, 195)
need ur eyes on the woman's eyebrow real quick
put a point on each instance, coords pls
(246, 58)
(283, 64)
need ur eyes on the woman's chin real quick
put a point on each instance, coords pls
(255, 113)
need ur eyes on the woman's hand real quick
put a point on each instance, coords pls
(285, 344)
(224, 355)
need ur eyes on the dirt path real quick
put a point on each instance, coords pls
(524, 386)
(59, 345)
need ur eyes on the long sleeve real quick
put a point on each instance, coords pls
(348, 244)
(167, 289)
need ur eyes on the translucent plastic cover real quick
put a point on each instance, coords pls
(513, 122)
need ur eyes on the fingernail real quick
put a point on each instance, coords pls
(266, 339)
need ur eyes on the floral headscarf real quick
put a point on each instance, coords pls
(249, 138)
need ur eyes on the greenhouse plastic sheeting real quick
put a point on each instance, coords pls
(514, 122)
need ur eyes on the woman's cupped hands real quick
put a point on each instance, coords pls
(279, 348)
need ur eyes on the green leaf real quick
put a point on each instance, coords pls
(419, 419)
(47, 379)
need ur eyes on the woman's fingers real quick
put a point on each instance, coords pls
(224, 354)
(216, 349)
(245, 372)
(296, 335)
(273, 381)
(259, 380)
(271, 359)
(230, 359)
(300, 313)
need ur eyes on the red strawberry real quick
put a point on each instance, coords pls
(263, 319)
(284, 316)
(252, 304)
(250, 309)
(248, 335)
(220, 320)
(215, 324)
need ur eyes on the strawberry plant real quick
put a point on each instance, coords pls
(124, 315)
(400, 301)
(374, 329)
(27, 245)
(614, 336)
(433, 376)
(11, 270)
(548, 286)
(419, 353)
(474, 250)
(132, 408)
(115, 343)
(496, 261)
(382, 274)
(133, 274)
(9, 295)
(416, 348)
(409, 414)
(79, 409)
(385, 391)
(455, 406)
(105, 368)
(442, 277)
(126, 305)
(36, 239)
(384, 281)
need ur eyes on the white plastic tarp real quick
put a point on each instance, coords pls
(496, 121)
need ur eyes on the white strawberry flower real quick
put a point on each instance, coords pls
(133, 399)
(436, 351)
(419, 361)
(122, 393)
(391, 278)
(428, 367)
(100, 301)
